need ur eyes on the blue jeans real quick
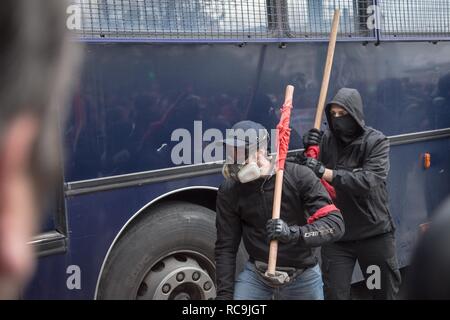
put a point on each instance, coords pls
(307, 286)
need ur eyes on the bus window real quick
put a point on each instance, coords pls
(313, 17)
(130, 104)
(172, 18)
(425, 18)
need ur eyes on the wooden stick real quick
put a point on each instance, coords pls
(273, 249)
(327, 70)
(289, 94)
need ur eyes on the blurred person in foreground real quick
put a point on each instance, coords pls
(37, 63)
(428, 277)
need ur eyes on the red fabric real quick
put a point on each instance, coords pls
(313, 152)
(329, 188)
(322, 212)
(283, 135)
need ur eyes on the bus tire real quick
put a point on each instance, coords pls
(168, 253)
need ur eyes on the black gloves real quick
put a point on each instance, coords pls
(298, 158)
(277, 229)
(312, 138)
(315, 165)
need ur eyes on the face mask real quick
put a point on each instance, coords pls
(346, 128)
(243, 173)
(249, 172)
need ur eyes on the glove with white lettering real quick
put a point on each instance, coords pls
(315, 165)
(277, 229)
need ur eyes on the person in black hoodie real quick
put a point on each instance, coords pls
(244, 209)
(354, 159)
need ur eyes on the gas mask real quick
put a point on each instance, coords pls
(242, 172)
(251, 170)
(242, 163)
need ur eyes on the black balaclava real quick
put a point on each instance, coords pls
(346, 129)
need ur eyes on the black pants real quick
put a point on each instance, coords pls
(338, 262)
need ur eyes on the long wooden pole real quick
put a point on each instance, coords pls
(327, 70)
(273, 249)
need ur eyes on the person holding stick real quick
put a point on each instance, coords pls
(244, 202)
(354, 159)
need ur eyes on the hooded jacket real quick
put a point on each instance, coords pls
(360, 171)
(243, 210)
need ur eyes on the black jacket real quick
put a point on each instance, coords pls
(360, 173)
(243, 210)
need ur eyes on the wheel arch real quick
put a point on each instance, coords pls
(201, 195)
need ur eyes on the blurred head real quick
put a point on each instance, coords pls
(36, 62)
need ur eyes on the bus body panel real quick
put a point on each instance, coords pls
(401, 85)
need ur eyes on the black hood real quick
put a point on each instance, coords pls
(350, 100)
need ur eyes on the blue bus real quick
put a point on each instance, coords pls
(130, 223)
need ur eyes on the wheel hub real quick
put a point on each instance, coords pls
(177, 278)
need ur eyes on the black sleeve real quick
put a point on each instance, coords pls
(325, 222)
(229, 233)
(373, 172)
